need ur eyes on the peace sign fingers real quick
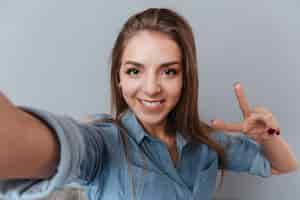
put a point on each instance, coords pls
(258, 122)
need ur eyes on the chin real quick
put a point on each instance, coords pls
(152, 119)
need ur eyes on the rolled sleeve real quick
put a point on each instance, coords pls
(81, 147)
(260, 166)
(243, 154)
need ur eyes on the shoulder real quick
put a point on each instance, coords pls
(104, 122)
(92, 118)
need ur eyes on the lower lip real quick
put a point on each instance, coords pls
(152, 108)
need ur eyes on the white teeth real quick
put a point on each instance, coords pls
(153, 104)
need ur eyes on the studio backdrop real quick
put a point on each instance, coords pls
(54, 55)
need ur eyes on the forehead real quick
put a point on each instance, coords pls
(151, 48)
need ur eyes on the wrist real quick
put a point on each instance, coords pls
(270, 140)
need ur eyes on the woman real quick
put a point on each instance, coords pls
(154, 144)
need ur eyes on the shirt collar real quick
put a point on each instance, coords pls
(135, 129)
(132, 125)
(180, 141)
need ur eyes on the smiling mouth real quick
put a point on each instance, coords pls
(158, 100)
(152, 104)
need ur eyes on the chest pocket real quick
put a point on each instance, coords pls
(205, 181)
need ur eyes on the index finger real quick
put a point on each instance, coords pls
(241, 97)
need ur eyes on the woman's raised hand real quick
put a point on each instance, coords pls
(259, 123)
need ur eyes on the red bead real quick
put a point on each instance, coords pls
(271, 131)
(278, 132)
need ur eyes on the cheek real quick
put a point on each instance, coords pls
(174, 89)
(176, 94)
(129, 88)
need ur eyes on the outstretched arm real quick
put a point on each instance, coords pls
(25, 139)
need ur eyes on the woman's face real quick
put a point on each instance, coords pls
(151, 71)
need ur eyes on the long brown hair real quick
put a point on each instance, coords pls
(185, 116)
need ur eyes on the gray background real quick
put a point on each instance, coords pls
(54, 56)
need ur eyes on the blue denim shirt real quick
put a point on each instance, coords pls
(93, 155)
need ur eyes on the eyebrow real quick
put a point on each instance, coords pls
(161, 65)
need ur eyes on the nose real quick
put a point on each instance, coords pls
(151, 86)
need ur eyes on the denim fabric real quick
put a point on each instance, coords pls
(93, 155)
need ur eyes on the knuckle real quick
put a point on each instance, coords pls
(261, 109)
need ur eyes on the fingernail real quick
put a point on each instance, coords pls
(236, 84)
(271, 131)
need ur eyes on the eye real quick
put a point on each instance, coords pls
(171, 72)
(132, 71)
